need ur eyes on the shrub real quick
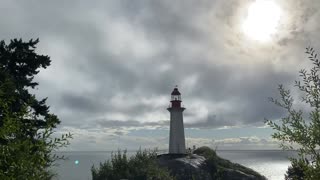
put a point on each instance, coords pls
(141, 166)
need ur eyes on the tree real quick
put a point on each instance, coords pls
(296, 171)
(26, 125)
(295, 128)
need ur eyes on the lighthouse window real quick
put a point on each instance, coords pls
(176, 97)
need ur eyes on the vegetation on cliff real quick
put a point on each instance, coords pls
(140, 166)
(218, 166)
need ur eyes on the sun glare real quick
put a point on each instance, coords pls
(262, 20)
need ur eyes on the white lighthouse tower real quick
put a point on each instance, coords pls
(177, 143)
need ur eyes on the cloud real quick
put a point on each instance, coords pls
(117, 123)
(114, 63)
(241, 143)
(110, 139)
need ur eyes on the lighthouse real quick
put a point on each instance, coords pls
(177, 143)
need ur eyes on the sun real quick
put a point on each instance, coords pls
(262, 20)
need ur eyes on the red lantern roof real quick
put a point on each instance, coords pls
(175, 92)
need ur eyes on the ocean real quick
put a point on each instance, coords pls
(271, 163)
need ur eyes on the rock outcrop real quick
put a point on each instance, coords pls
(204, 164)
(185, 166)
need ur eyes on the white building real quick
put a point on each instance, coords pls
(177, 143)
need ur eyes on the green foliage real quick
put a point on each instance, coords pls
(26, 125)
(211, 160)
(142, 166)
(294, 128)
(205, 152)
(297, 170)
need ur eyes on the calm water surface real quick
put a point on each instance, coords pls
(272, 163)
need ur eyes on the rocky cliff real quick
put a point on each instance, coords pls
(204, 164)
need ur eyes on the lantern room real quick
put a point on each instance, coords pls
(175, 98)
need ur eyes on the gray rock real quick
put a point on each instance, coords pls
(195, 167)
(185, 166)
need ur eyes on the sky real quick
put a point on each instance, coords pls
(115, 63)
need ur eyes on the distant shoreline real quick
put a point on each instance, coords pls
(166, 150)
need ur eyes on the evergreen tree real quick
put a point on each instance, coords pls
(26, 125)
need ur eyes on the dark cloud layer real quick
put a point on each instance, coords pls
(112, 59)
